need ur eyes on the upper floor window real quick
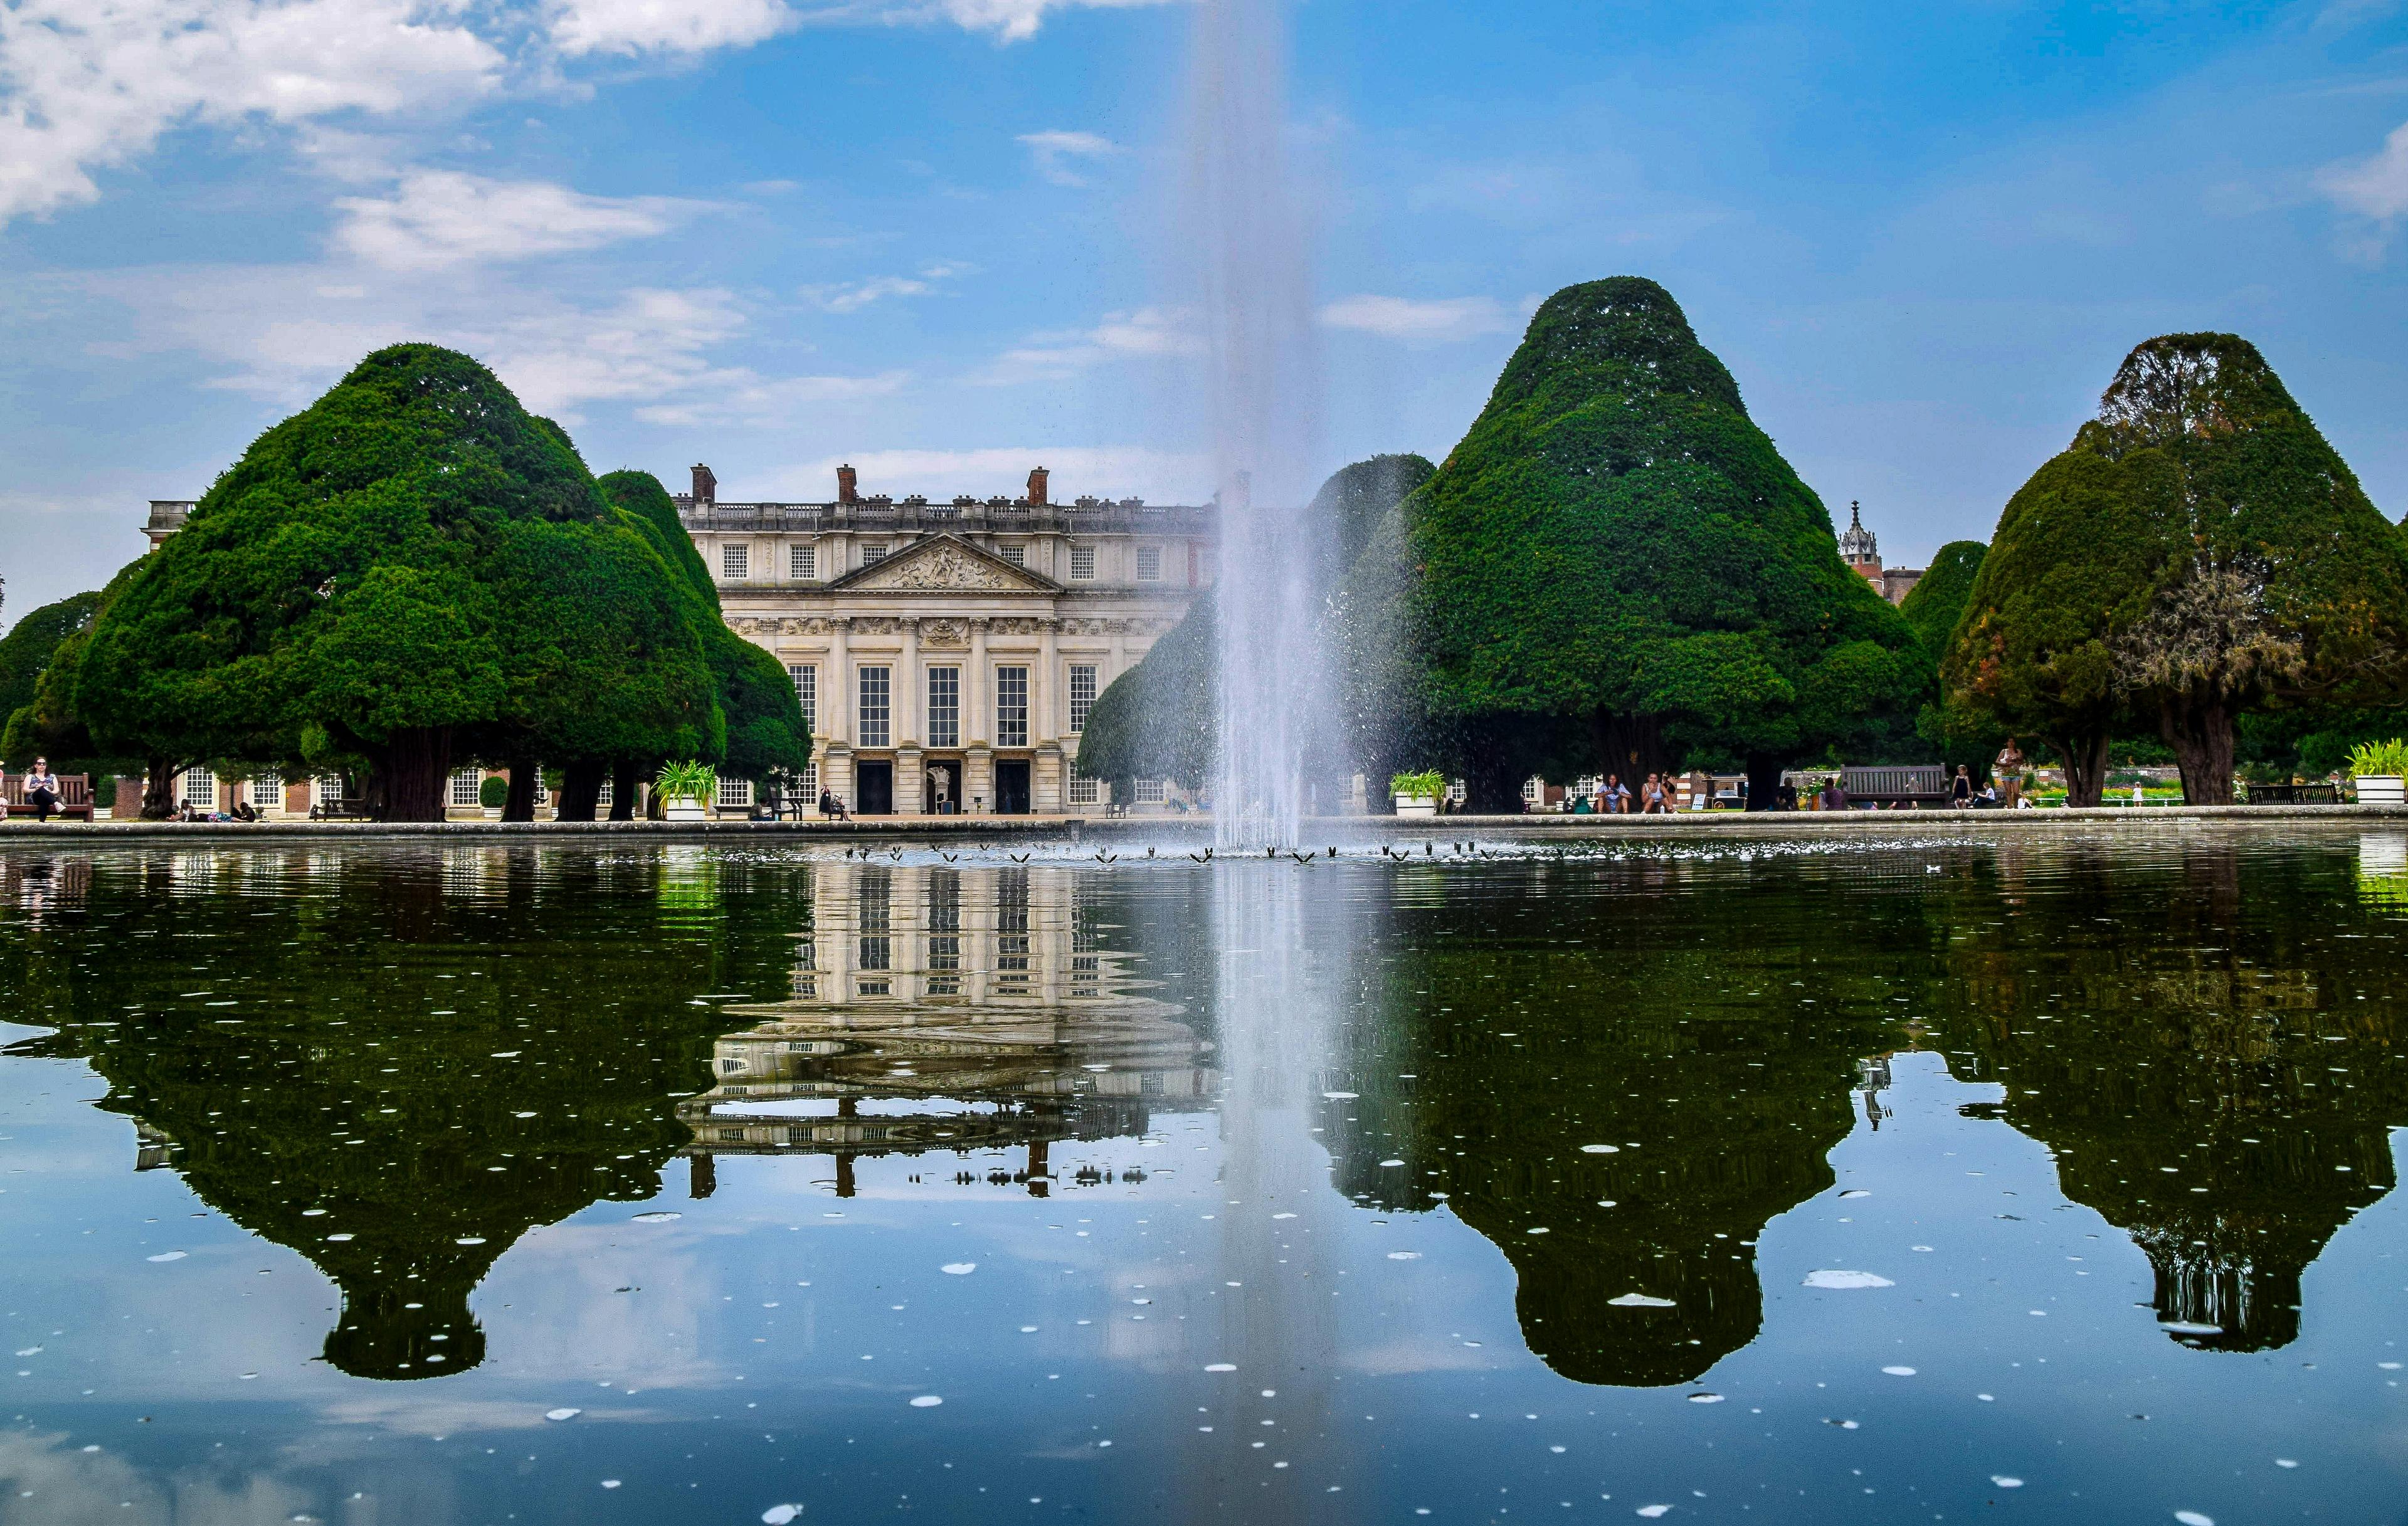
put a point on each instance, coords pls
(735, 562)
(1015, 553)
(1083, 693)
(1149, 563)
(1083, 563)
(875, 551)
(802, 562)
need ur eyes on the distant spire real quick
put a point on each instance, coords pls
(1857, 547)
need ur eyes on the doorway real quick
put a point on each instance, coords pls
(942, 793)
(1011, 788)
(874, 782)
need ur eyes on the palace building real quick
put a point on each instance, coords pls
(945, 653)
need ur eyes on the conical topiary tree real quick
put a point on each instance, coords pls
(1615, 569)
(2199, 552)
(412, 570)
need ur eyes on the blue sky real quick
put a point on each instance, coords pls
(931, 236)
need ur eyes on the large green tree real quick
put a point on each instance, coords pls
(2197, 553)
(412, 571)
(1615, 568)
(1933, 605)
(33, 647)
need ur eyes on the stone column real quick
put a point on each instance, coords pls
(911, 724)
(908, 765)
(976, 726)
(837, 703)
(1045, 701)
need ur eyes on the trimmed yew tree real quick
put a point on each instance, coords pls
(411, 572)
(2200, 552)
(1616, 569)
(1933, 605)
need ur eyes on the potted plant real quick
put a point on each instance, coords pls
(685, 790)
(2380, 767)
(1417, 794)
(494, 794)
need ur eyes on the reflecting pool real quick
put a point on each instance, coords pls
(2044, 1179)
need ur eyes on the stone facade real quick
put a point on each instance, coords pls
(1861, 552)
(946, 653)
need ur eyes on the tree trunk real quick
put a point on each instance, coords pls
(581, 789)
(417, 765)
(1492, 784)
(1763, 782)
(519, 805)
(2200, 733)
(2085, 759)
(1631, 746)
(159, 789)
(625, 779)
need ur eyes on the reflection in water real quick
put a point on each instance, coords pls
(949, 1010)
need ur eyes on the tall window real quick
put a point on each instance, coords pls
(610, 796)
(944, 707)
(200, 786)
(1012, 707)
(464, 786)
(944, 919)
(807, 694)
(268, 789)
(802, 562)
(735, 794)
(1149, 791)
(329, 790)
(877, 920)
(735, 562)
(1011, 920)
(872, 553)
(1149, 563)
(876, 684)
(1085, 791)
(1083, 693)
(1083, 563)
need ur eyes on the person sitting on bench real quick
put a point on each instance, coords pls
(42, 790)
(831, 808)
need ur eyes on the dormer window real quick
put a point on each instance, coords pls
(1015, 553)
(872, 552)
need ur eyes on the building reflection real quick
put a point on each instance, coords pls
(948, 1009)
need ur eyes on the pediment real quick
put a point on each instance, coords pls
(943, 565)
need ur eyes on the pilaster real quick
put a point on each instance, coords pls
(909, 784)
(1045, 789)
(978, 780)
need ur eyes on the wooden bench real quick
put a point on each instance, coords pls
(339, 811)
(1916, 784)
(2293, 794)
(74, 795)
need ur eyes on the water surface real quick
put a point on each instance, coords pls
(1730, 1181)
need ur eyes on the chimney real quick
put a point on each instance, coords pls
(1037, 488)
(706, 487)
(847, 485)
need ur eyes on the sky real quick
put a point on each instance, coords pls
(940, 238)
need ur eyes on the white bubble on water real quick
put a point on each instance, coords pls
(1221, 1367)
(562, 1414)
(658, 1216)
(2192, 1518)
(171, 1255)
(2286, 1462)
(1340, 1096)
(1652, 1511)
(779, 1515)
(1899, 1372)
(609, 1483)
(958, 1268)
(927, 1400)
(1393, 1255)
(1391, 1163)
(1639, 1300)
(1855, 1192)
(1846, 1281)
(1705, 1398)
(1600, 1150)
(2006, 1482)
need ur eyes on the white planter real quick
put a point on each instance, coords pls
(684, 810)
(1417, 805)
(2381, 790)
(493, 813)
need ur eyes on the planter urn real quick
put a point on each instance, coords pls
(1416, 805)
(2381, 790)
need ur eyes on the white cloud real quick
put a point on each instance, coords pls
(851, 298)
(663, 26)
(1147, 332)
(1403, 318)
(1010, 21)
(1057, 151)
(439, 217)
(87, 85)
(1106, 471)
(2376, 187)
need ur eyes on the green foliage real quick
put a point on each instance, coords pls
(2198, 552)
(1427, 784)
(494, 793)
(1933, 605)
(26, 651)
(692, 780)
(39, 659)
(1614, 549)
(764, 722)
(411, 564)
(2379, 758)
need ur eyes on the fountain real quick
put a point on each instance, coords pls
(1252, 283)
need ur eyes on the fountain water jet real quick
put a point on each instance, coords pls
(1252, 250)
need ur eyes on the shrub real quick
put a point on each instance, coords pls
(495, 793)
(1427, 784)
(689, 780)
(2379, 759)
